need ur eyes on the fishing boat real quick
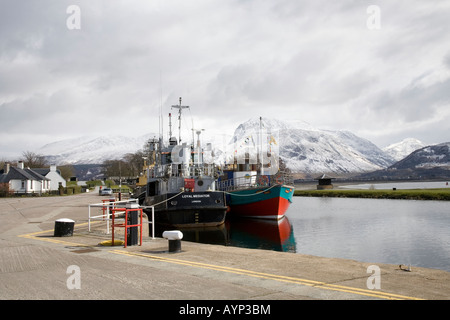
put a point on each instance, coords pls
(180, 186)
(257, 196)
(257, 189)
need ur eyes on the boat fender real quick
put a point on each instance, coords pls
(173, 235)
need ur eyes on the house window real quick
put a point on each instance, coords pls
(23, 184)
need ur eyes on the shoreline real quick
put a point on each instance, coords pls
(440, 194)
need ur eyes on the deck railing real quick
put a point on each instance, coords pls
(253, 181)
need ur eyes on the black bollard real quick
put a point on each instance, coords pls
(64, 227)
(174, 245)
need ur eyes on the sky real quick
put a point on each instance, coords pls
(380, 69)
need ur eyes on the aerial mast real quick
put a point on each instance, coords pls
(261, 162)
(170, 125)
(179, 107)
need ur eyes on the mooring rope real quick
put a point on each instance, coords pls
(148, 207)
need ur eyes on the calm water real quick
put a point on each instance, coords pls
(368, 230)
(373, 230)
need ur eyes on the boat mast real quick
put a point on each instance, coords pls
(260, 147)
(170, 125)
(179, 107)
(161, 121)
(199, 147)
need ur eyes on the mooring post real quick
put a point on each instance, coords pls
(174, 238)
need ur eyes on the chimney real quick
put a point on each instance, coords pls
(53, 167)
(6, 168)
(20, 164)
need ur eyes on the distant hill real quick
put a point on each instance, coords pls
(430, 162)
(310, 150)
(92, 150)
(428, 157)
(302, 147)
(401, 149)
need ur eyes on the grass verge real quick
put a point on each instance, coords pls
(411, 194)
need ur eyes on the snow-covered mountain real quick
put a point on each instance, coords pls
(310, 150)
(430, 162)
(428, 157)
(302, 147)
(92, 150)
(401, 149)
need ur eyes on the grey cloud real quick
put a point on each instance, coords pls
(446, 60)
(230, 60)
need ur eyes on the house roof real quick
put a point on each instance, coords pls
(21, 174)
(324, 176)
(35, 174)
(44, 171)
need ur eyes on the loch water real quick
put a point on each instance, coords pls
(408, 232)
(373, 230)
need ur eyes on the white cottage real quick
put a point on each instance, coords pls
(54, 175)
(21, 180)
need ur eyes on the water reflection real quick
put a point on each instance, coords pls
(370, 230)
(262, 234)
(373, 230)
(248, 233)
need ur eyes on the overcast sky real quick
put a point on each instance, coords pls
(382, 72)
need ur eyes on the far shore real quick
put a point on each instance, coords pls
(442, 194)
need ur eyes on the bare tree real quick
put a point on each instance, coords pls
(129, 166)
(67, 171)
(135, 162)
(33, 160)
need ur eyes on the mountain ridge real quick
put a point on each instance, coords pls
(310, 150)
(401, 149)
(429, 162)
(92, 150)
(302, 147)
(433, 156)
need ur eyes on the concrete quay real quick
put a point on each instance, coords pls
(35, 265)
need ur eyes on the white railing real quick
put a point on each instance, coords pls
(254, 181)
(107, 208)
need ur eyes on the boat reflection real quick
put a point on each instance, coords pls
(274, 235)
(244, 232)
